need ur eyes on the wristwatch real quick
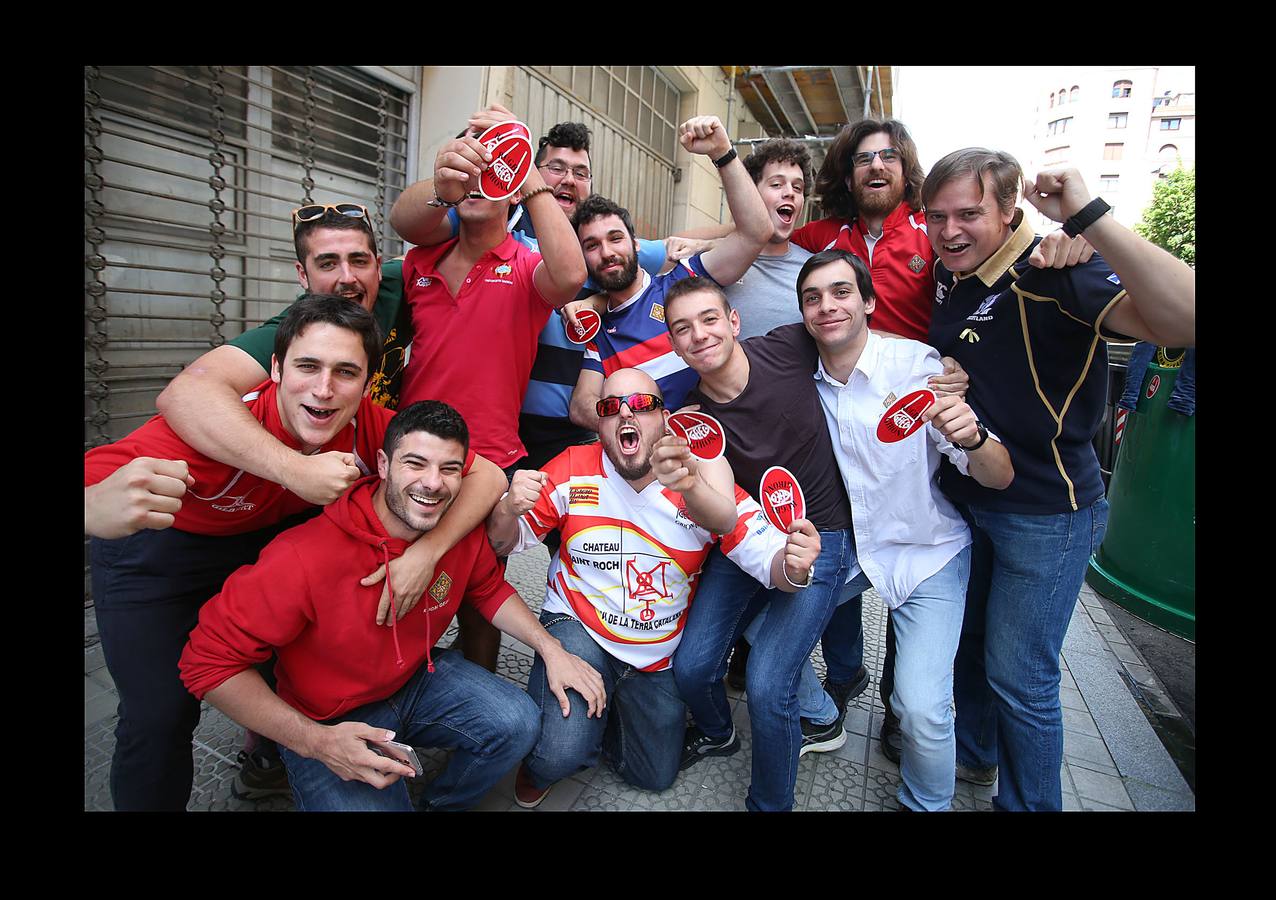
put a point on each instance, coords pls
(983, 436)
(1085, 217)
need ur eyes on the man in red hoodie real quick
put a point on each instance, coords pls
(342, 681)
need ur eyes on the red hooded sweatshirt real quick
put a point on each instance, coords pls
(303, 600)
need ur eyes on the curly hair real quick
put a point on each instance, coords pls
(780, 150)
(830, 183)
(565, 134)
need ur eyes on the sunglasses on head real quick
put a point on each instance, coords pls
(316, 211)
(639, 402)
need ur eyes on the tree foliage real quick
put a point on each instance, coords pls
(1170, 222)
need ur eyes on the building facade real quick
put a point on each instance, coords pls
(1123, 128)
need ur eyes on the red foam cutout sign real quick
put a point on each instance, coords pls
(905, 416)
(781, 497)
(703, 433)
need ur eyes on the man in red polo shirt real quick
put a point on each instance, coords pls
(478, 303)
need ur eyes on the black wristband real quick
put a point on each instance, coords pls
(1085, 217)
(725, 158)
(983, 436)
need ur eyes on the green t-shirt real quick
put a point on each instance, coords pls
(393, 318)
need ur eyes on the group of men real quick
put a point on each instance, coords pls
(320, 638)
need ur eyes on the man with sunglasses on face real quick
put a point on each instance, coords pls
(336, 254)
(638, 515)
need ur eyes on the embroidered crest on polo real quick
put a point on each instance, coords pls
(583, 333)
(501, 130)
(704, 434)
(917, 263)
(782, 497)
(503, 269)
(511, 163)
(905, 416)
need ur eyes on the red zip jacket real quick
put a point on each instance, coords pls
(303, 599)
(903, 266)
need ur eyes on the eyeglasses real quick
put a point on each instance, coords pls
(888, 154)
(580, 172)
(610, 406)
(317, 211)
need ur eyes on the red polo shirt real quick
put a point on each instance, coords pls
(475, 351)
(903, 266)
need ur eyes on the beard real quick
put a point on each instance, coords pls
(618, 281)
(631, 468)
(879, 203)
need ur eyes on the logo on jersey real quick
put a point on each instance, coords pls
(503, 269)
(441, 585)
(940, 291)
(968, 335)
(683, 519)
(583, 495)
(905, 417)
(658, 311)
(982, 314)
(1114, 278)
(423, 281)
(647, 585)
(237, 504)
(917, 263)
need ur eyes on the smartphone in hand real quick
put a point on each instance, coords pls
(398, 752)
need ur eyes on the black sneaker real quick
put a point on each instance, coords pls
(261, 775)
(697, 745)
(892, 739)
(843, 692)
(739, 664)
(821, 738)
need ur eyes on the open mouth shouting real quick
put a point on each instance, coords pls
(318, 413)
(566, 197)
(629, 439)
(955, 248)
(877, 184)
(786, 213)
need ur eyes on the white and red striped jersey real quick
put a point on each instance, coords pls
(629, 560)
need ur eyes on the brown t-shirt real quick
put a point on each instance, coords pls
(777, 421)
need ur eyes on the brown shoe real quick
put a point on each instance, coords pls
(526, 794)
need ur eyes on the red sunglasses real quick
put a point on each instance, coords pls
(639, 402)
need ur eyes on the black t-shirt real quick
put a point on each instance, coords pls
(777, 420)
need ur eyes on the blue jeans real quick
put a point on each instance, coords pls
(927, 629)
(1026, 572)
(843, 640)
(814, 703)
(640, 732)
(488, 722)
(725, 600)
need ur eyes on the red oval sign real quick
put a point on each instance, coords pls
(1153, 383)
(905, 416)
(511, 161)
(703, 433)
(781, 497)
(501, 130)
(590, 322)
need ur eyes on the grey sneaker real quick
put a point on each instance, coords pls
(983, 776)
(697, 745)
(821, 738)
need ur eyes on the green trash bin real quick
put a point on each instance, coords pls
(1147, 562)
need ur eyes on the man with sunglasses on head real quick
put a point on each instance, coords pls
(638, 515)
(336, 254)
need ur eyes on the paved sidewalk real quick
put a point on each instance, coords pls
(1113, 759)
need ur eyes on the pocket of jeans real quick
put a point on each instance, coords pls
(1100, 523)
(553, 618)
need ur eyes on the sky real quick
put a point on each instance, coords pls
(950, 107)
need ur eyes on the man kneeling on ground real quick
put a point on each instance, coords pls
(343, 681)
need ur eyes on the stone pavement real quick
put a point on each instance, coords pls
(1113, 759)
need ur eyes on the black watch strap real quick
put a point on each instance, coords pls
(725, 158)
(1085, 217)
(983, 436)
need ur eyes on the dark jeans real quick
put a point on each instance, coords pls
(147, 592)
(843, 640)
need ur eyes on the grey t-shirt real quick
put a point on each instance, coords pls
(766, 297)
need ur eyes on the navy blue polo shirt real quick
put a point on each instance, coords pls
(1033, 343)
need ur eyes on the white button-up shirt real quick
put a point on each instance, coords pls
(905, 529)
